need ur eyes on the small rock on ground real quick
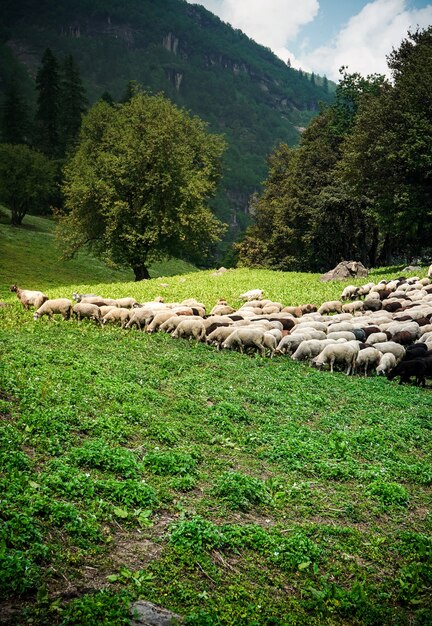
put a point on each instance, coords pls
(148, 614)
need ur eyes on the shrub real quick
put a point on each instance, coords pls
(241, 492)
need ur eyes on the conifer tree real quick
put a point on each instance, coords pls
(73, 103)
(47, 115)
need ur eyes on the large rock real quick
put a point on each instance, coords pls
(345, 269)
(148, 614)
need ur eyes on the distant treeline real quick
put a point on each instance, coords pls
(360, 183)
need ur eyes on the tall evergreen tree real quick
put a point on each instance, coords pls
(48, 110)
(73, 103)
(15, 120)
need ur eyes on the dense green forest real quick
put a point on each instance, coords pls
(239, 87)
(359, 184)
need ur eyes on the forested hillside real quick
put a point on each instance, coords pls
(241, 88)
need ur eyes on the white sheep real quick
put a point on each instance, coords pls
(121, 315)
(190, 327)
(219, 335)
(387, 362)
(90, 311)
(270, 342)
(339, 327)
(391, 346)
(342, 334)
(368, 357)
(61, 306)
(345, 353)
(159, 319)
(246, 337)
(252, 294)
(350, 292)
(353, 307)
(126, 303)
(313, 334)
(222, 309)
(140, 317)
(29, 298)
(376, 338)
(290, 343)
(333, 306)
(310, 348)
(99, 301)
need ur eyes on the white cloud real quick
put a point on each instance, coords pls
(271, 23)
(363, 43)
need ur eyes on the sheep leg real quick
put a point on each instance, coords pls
(332, 360)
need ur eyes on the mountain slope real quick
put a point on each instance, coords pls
(241, 88)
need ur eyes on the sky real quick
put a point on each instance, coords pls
(323, 35)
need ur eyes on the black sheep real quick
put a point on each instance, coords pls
(407, 369)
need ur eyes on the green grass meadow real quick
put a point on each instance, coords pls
(230, 489)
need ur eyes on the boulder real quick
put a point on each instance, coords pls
(412, 268)
(345, 269)
(148, 614)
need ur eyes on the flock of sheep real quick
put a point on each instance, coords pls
(385, 326)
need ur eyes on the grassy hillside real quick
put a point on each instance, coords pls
(31, 255)
(230, 489)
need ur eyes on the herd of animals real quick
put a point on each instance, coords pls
(386, 327)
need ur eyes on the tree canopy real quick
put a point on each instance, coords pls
(136, 188)
(360, 183)
(27, 180)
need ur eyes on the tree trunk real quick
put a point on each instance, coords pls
(141, 272)
(386, 252)
(373, 250)
(17, 217)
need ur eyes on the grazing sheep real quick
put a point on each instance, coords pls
(343, 334)
(252, 294)
(121, 315)
(90, 311)
(190, 328)
(29, 298)
(61, 306)
(391, 346)
(171, 323)
(372, 304)
(310, 348)
(295, 311)
(222, 309)
(352, 307)
(387, 363)
(126, 303)
(246, 337)
(105, 309)
(270, 342)
(308, 308)
(79, 296)
(140, 317)
(290, 343)
(365, 289)
(350, 292)
(345, 353)
(368, 357)
(333, 306)
(313, 334)
(376, 338)
(338, 327)
(159, 319)
(219, 335)
(417, 351)
(403, 337)
(98, 301)
(407, 369)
